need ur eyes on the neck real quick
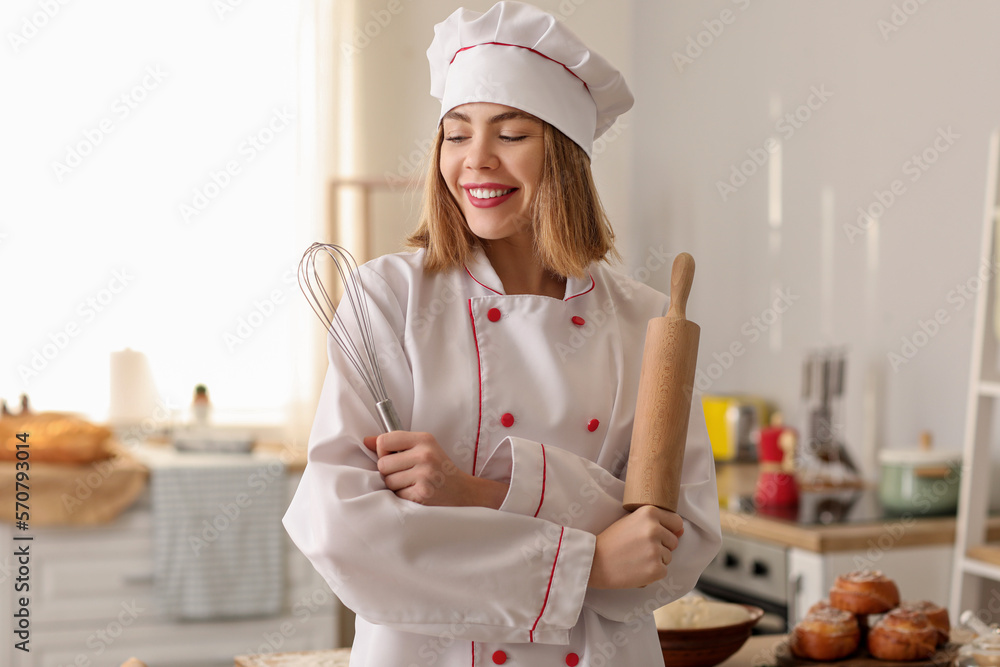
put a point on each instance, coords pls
(521, 273)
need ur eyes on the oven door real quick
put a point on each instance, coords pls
(751, 572)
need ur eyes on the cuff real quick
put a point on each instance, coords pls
(567, 588)
(521, 463)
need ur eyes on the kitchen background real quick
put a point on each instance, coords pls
(826, 163)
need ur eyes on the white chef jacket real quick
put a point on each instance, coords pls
(528, 390)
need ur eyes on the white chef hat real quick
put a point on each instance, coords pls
(517, 55)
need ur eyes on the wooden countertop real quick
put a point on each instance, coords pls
(759, 650)
(739, 479)
(336, 658)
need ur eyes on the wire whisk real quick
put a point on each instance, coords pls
(364, 360)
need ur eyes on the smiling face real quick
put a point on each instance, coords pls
(491, 160)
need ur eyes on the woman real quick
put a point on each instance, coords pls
(491, 531)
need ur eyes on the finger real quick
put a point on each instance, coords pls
(672, 522)
(670, 540)
(391, 463)
(394, 441)
(417, 493)
(369, 442)
(399, 480)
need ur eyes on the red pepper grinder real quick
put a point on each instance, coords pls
(776, 485)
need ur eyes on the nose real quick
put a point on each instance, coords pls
(481, 154)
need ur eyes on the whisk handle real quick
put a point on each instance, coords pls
(390, 420)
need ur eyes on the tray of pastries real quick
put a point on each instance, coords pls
(865, 623)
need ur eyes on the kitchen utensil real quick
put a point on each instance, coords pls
(768, 448)
(364, 360)
(920, 481)
(776, 484)
(743, 420)
(704, 647)
(733, 423)
(823, 453)
(666, 384)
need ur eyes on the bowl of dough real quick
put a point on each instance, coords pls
(695, 632)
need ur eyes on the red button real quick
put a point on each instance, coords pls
(507, 419)
(493, 314)
(499, 658)
(578, 321)
(572, 660)
(592, 425)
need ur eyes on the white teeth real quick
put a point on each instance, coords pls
(483, 193)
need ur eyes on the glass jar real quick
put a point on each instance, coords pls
(983, 651)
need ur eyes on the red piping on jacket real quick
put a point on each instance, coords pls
(474, 278)
(479, 362)
(539, 53)
(531, 633)
(540, 500)
(593, 283)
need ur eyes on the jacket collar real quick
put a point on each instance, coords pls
(479, 269)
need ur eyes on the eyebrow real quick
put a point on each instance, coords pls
(499, 118)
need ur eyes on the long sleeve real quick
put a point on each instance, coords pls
(557, 485)
(416, 568)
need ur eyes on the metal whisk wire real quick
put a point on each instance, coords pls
(365, 360)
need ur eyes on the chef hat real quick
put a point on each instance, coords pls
(517, 55)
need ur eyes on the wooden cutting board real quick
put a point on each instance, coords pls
(862, 658)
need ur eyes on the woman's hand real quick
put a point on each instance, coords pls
(636, 550)
(416, 468)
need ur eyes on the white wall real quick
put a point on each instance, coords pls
(891, 93)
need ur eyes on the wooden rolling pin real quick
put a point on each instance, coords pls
(666, 384)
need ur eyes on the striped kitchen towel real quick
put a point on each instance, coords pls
(217, 537)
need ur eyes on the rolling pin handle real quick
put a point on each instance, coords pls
(681, 277)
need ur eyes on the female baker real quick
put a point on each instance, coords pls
(490, 531)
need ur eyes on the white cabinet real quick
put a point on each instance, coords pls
(91, 603)
(920, 572)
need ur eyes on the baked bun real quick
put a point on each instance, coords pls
(936, 614)
(902, 635)
(820, 606)
(864, 592)
(825, 634)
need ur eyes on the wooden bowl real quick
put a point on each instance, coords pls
(705, 647)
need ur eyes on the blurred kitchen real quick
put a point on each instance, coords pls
(832, 167)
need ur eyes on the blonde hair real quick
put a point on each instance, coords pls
(570, 224)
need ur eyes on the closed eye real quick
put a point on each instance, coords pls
(507, 139)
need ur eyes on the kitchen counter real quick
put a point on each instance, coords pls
(759, 650)
(294, 458)
(738, 479)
